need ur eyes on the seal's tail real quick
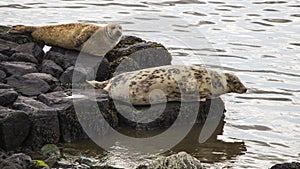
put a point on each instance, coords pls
(19, 29)
(98, 85)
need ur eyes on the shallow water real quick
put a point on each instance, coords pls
(257, 40)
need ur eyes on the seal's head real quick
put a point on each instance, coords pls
(114, 31)
(234, 84)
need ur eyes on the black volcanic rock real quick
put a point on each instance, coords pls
(28, 104)
(18, 68)
(14, 128)
(4, 58)
(292, 165)
(33, 49)
(24, 57)
(2, 76)
(7, 97)
(52, 81)
(28, 86)
(50, 67)
(60, 59)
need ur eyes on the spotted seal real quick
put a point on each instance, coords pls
(85, 37)
(178, 83)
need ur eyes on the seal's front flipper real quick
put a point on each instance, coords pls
(84, 35)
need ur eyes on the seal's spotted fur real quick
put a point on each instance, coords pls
(178, 83)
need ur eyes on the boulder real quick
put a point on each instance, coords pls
(24, 57)
(6, 47)
(60, 59)
(14, 128)
(70, 127)
(44, 129)
(7, 97)
(9, 165)
(4, 58)
(292, 165)
(18, 68)
(2, 76)
(52, 81)
(166, 117)
(66, 77)
(179, 160)
(31, 48)
(28, 104)
(19, 159)
(145, 54)
(4, 86)
(45, 124)
(50, 67)
(28, 86)
(103, 71)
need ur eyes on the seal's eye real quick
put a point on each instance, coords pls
(235, 83)
(113, 27)
(120, 27)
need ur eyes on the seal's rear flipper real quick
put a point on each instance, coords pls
(21, 29)
(98, 85)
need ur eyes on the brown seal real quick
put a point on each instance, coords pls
(85, 37)
(170, 83)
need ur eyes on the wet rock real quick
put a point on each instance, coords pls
(6, 47)
(24, 57)
(44, 120)
(164, 117)
(146, 54)
(179, 160)
(4, 86)
(28, 104)
(4, 58)
(7, 97)
(14, 128)
(293, 165)
(70, 128)
(3, 155)
(74, 75)
(9, 165)
(28, 86)
(20, 159)
(2, 76)
(88, 161)
(103, 71)
(67, 76)
(123, 64)
(50, 67)
(68, 164)
(33, 49)
(60, 59)
(44, 129)
(18, 68)
(52, 81)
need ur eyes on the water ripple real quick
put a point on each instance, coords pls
(263, 24)
(265, 98)
(253, 127)
(278, 20)
(270, 2)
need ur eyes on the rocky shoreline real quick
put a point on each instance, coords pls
(37, 111)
